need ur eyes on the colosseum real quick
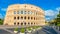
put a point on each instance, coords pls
(24, 14)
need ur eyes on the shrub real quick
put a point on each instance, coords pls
(22, 30)
(16, 29)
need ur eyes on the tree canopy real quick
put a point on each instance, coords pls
(1, 21)
(56, 20)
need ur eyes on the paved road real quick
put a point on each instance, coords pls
(45, 30)
(4, 32)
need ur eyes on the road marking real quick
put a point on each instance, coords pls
(47, 31)
(9, 31)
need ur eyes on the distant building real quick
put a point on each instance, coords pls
(24, 14)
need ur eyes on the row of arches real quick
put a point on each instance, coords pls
(24, 18)
(25, 12)
(24, 23)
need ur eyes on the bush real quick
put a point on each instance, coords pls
(35, 27)
(22, 30)
(29, 28)
(1, 22)
(16, 29)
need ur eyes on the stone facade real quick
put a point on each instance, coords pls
(24, 14)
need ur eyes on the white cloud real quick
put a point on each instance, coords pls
(49, 13)
(58, 8)
(47, 18)
(3, 9)
(1, 16)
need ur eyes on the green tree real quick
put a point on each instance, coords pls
(1, 21)
(57, 19)
(16, 29)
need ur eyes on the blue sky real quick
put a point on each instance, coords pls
(50, 7)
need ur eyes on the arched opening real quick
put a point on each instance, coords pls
(31, 23)
(25, 23)
(28, 23)
(14, 12)
(14, 23)
(21, 17)
(21, 12)
(24, 12)
(14, 18)
(28, 12)
(34, 18)
(28, 17)
(31, 17)
(21, 23)
(25, 17)
(18, 17)
(18, 23)
(34, 23)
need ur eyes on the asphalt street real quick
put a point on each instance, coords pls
(4, 32)
(45, 30)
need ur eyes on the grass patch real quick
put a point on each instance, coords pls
(16, 29)
(35, 27)
(29, 28)
(22, 30)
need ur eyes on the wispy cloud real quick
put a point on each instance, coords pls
(1, 16)
(3, 9)
(51, 13)
(47, 19)
(58, 8)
